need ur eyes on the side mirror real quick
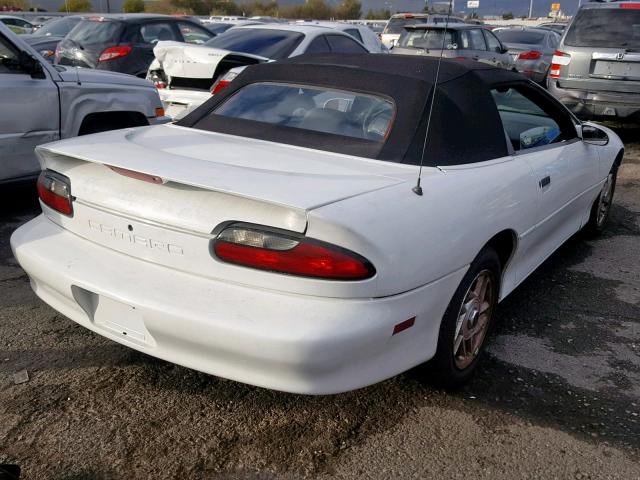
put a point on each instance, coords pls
(503, 50)
(594, 135)
(30, 65)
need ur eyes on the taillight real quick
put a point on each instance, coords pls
(294, 255)
(54, 190)
(630, 5)
(559, 60)
(223, 81)
(532, 55)
(112, 53)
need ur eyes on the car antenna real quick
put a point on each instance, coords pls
(418, 188)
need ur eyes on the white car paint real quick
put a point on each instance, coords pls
(199, 61)
(40, 110)
(133, 263)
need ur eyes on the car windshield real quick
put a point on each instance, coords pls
(605, 27)
(396, 25)
(274, 44)
(337, 112)
(520, 36)
(58, 27)
(95, 31)
(426, 38)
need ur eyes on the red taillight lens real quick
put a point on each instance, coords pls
(251, 247)
(112, 53)
(630, 5)
(54, 190)
(223, 81)
(559, 60)
(532, 55)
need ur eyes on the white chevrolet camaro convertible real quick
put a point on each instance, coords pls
(277, 236)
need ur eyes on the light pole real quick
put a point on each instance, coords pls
(530, 8)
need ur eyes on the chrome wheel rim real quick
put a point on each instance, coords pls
(473, 319)
(604, 203)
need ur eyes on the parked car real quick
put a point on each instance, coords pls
(41, 104)
(362, 33)
(16, 24)
(188, 74)
(558, 27)
(460, 40)
(45, 40)
(124, 42)
(218, 28)
(531, 48)
(277, 236)
(596, 70)
(397, 23)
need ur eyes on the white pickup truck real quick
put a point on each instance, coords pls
(40, 103)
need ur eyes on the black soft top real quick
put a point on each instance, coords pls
(465, 126)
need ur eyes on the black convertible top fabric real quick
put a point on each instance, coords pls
(465, 127)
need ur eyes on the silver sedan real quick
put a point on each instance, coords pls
(531, 48)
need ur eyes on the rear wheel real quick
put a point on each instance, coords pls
(602, 206)
(467, 321)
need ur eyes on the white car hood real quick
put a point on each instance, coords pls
(280, 174)
(190, 61)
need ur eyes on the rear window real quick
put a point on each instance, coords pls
(605, 27)
(94, 31)
(337, 112)
(426, 39)
(396, 25)
(59, 27)
(520, 36)
(274, 44)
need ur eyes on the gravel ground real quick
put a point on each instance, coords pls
(558, 396)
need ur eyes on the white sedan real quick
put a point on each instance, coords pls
(284, 235)
(187, 75)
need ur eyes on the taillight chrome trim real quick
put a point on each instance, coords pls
(297, 240)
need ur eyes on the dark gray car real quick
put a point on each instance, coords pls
(46, 39)
(460, 41)
(124, 42)
(531, 48)
(596, 70)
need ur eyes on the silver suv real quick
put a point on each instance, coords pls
(596, 69)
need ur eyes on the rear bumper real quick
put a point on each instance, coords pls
(597, 105)
(295, 343)
(178, 103)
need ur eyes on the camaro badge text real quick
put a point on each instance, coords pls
(136, 239)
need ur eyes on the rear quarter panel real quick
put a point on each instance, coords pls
(414, 240)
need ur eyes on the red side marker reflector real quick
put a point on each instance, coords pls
(137, 175)
(404, 325)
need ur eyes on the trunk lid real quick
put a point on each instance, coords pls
(208, 180)
(197, 66)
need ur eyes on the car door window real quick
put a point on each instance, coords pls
(318, 45)
(477, 40)
(343, 44)
(464, 42)
(8, 57)
(529, 119)
(354, 33)
(193, 33)
(157, 32)
(493, 44)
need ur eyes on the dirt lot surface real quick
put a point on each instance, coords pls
(558, 396)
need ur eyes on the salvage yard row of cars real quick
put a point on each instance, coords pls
(322, 222)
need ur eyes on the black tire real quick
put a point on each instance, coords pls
(597, 220)
(445, 365)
